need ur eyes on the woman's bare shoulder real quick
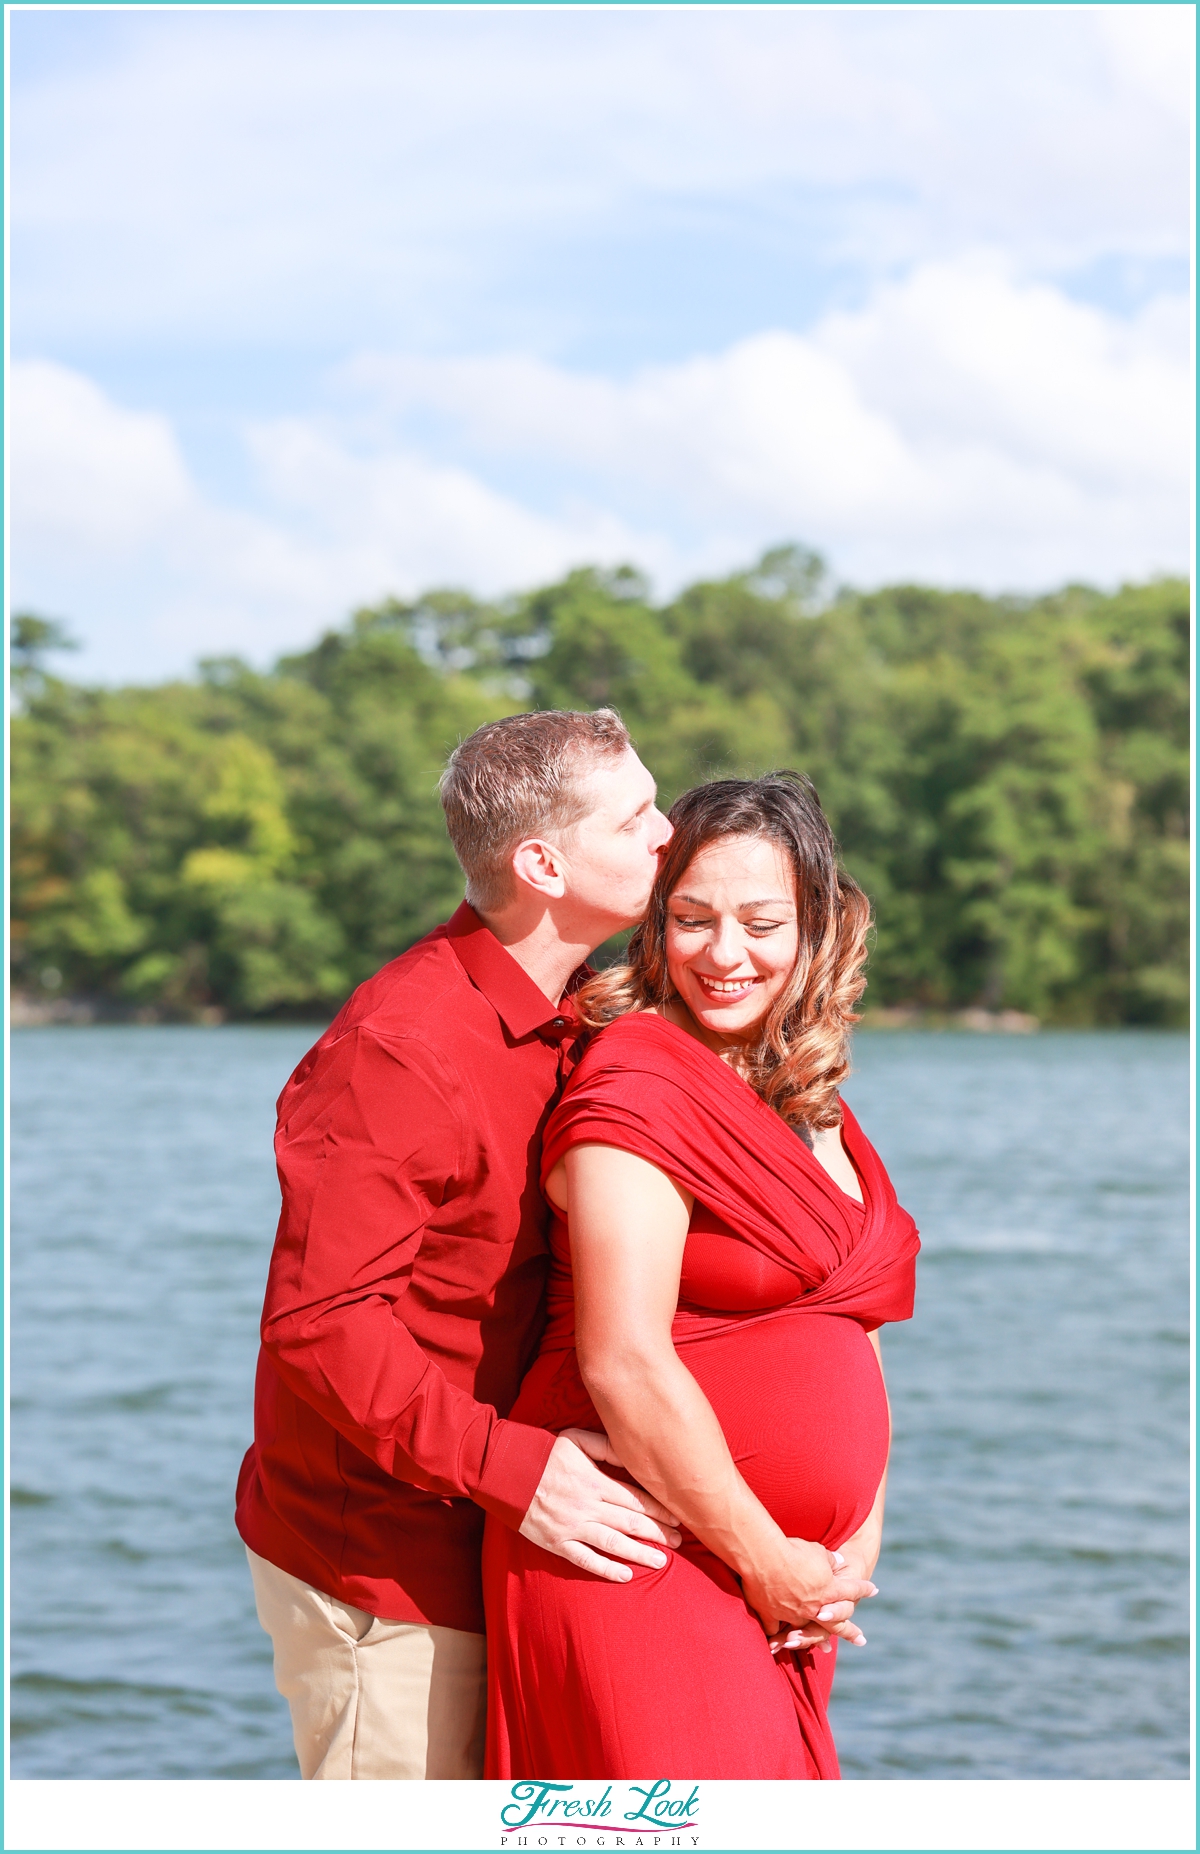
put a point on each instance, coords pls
(598, 1169)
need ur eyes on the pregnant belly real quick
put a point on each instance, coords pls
(799, 1398)
(801, 1401)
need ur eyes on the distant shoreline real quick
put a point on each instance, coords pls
(917, 1017)
(29, 1013)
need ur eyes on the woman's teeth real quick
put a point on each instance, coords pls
(727, 988)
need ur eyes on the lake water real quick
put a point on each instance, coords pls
(1032, 1620)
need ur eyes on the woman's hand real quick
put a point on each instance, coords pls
(805, 1583)
(832, 1619)
(860, 1554)
(857, 1559)
(816, 1636)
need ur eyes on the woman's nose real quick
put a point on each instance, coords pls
(725, 947)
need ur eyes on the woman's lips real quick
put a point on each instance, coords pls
(725, 991)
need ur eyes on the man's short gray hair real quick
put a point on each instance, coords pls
(517, 778)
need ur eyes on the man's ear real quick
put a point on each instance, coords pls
(540, 866)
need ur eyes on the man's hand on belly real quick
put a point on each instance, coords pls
(578, 1513)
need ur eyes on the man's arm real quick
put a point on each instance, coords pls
(367, 1152)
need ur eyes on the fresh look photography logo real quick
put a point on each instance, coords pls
(661, 1814)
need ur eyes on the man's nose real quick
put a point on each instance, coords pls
(666, 830)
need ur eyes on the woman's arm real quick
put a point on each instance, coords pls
(628, 1225)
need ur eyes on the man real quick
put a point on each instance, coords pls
(404, 1297)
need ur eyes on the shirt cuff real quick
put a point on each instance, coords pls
(516, 1460)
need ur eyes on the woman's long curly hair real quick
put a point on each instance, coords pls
(802, 1052)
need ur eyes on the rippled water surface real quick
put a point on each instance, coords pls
(1033, 1615)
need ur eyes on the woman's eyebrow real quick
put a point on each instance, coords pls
(767, 901)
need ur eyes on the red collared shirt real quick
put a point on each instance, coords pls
(404, 1300)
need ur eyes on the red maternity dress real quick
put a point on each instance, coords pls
(783, 1277)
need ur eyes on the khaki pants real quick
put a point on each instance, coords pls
(371, 1698)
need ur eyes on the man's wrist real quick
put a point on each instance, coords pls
(515, 1462)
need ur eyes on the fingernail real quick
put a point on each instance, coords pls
(861, 1641)
(659, 1558)
(826, 1614)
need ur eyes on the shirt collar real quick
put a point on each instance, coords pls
(521, 1007)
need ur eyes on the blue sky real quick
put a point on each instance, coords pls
(310, 306)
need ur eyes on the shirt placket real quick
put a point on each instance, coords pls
(567, 1035)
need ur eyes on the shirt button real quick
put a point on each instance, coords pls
(559, 1022)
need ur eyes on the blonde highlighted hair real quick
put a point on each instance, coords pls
(803, 1049)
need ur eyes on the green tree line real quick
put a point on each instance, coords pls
(1007, 777)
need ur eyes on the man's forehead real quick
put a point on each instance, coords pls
(618, 783)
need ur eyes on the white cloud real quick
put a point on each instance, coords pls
(961, 427)
(348, 175)
(959, 350)
(399, 519)
(1154, 48)
(111, 532)
(208, 205)
(89, 471)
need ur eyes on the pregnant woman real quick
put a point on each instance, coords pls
(725, 1244)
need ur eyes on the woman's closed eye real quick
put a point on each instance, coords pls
(697, 924)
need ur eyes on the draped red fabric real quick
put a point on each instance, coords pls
(783, 1276)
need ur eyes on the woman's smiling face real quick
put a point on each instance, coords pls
(732, 934)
